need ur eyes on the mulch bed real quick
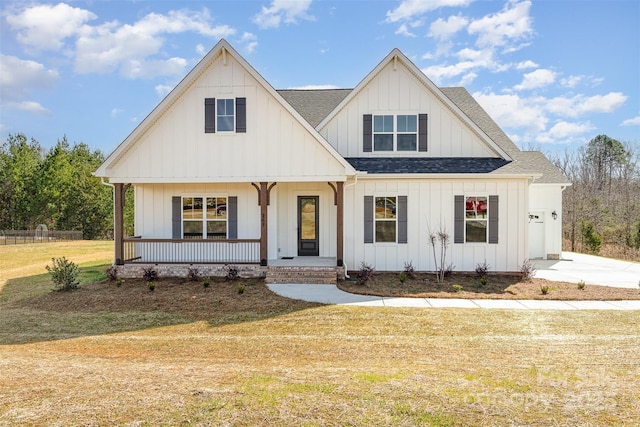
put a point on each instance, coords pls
(498, 286)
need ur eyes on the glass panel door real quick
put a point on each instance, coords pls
(308, 226)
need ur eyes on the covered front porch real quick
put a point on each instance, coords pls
(266, 223)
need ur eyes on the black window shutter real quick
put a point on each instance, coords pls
(493, 219)
(176, 217)
(368, 219)
(232, 217)
(422, 132)
(241, 115)
(209, 115)
(458, 219)
(402, 219)
(367, 133)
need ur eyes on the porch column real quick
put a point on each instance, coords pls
(264, 205)
(118, 222)
(340, 223)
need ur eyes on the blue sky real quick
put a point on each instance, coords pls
(553, 74)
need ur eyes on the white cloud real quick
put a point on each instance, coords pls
(163, 90)
(564, 132)
(20, 76)
(127, 48)
(512, 111)
(46, 27)
(403, 30)
(250, 42)
(571, 81)
(535, 79)
(287, 11)
(115, 112)
(410, 9)
(525, 65)
(512, 23)
(635, 121)
(201, 50)
(31, 107)
(444, 30)
(533, 114)
(579, 105)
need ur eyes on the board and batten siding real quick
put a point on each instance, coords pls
(431, 207)
(275, 146)
(400, 92)
(153, 213)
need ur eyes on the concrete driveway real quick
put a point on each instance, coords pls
(594, 270)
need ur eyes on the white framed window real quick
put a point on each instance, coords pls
(225, 115)
(395, 132)
(385, 219)
(204, 217)
(476, 219)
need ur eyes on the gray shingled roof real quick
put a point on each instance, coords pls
(315, 105)
(375, 165)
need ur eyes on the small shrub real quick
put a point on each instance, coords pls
(449, 270)
(581, 285)
(151, 285)
(364, 274)
(527, 270)
(402, 277)
(409, 270)
(483, 281)
(457, 288)
(241, 288)
(482, 268)
(206, 281)
(150, 274)
(544, 289)
(231, 272)
(118, 282)
(193, 275)
(63, 274)
(111, 273)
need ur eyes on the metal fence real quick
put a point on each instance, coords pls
(18, 237)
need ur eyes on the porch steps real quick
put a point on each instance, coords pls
(304, 275)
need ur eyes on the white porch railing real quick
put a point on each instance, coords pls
(191, 251)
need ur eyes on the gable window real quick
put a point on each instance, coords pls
(225, 115)
(385, 219)
(476, 219)
(394, 133)
(204, 217)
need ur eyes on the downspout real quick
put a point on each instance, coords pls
(355, 181)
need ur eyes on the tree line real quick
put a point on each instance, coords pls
(54, 187)
(601, 209)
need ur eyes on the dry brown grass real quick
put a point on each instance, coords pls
(498, 286)
(183, 355)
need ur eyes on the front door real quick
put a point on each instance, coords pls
(536, 235)
(308, 226)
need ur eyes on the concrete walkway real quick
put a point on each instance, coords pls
(572, 268)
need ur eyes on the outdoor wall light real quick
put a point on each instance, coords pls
(554, 215)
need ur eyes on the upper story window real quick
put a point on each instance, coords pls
(395, 133)
(226, 115)
(400, 133)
